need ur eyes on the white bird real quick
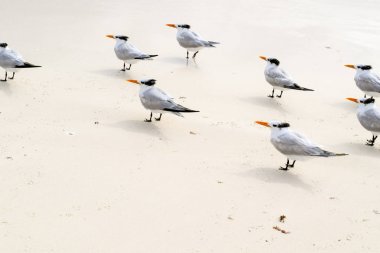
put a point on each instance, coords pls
(157, 101)
(293, 145)
(366, 80)
(128, 53)
(278, 78)
(369, 117)
(12, 61)
(190, 40)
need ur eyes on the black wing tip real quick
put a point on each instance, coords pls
(153, 55)
(27, 65)
(183, 110)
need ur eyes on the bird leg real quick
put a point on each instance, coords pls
(279, 96)
(287, 165)
(187, 55)
(159, 118)
(130, 65)
(195, 54)
(150, 119)
(271, 96)
(123, 69)
(5, 79)
(371, 142)
(292, 165)
(13, 76)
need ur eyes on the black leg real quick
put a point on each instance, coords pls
(13, 76)
(286, 165)
(5, 79)
(159, 118)
(187, 55)
(292, 165)
(123, 69)
(271, 96)
(280, 94)
(195, 54)
(365, 95)
(150, 119)
(371, 142)
(130, 65)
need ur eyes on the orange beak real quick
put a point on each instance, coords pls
(353, 100)
(110, 36)
(171, 25)
(263, 123)
(263, 57)
(133, 81)
(350, 66)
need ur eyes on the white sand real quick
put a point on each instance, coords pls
(128, 186)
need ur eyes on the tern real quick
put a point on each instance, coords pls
(190, 40)
(366, 80)
(369, 117)
(128, 53)
(12, 61)
(278, 78)
(157, 101)
(293, 145)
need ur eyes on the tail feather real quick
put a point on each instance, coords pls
(179, 110)
(328, 153)
(297, 87)
(145, 57)
(213, 42)
(28, 65)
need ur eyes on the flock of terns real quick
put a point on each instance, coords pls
(290, 143)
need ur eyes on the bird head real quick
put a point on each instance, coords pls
(272, 61)
(183, 26)
(117, 37)
(362, 101)
(148, 82)
(273, 124)
(359, 67)
(3, 45)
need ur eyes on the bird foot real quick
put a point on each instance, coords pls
(122, 70)
(147, 120)
(270, 96)
(369, 143)
(282, 168)
(3, 80)
(279, 96)
(157, 119)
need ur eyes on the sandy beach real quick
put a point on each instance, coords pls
(80, 171)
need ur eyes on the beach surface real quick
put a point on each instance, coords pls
(80, 171)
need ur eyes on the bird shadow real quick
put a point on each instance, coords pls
(270, 175)
(6, 88)
(266, 102)
(180, 60)
(115, 73)
(360, 148)
(139, 126)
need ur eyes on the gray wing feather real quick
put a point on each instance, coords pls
(296, 144)
(370, 120)
(10, 59)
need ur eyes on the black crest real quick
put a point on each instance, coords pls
(282, 125)
(122, 37)
(4, 45)
(149, 82)
(184, 26)
(365, 67)
(274, 61)
(369, 101)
